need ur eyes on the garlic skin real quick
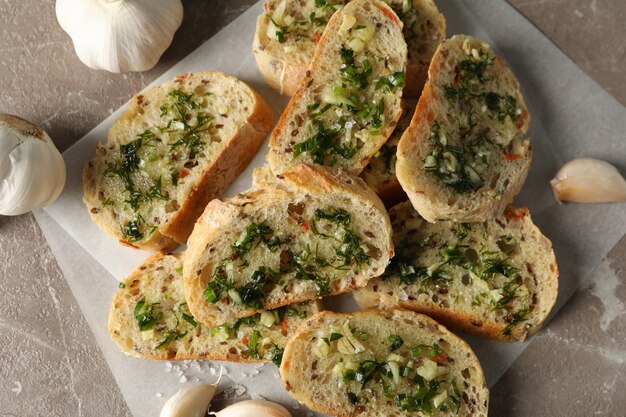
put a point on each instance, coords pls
(32, 171)
(589, 180)
(189, 402)
(120, 35)
(256, 408)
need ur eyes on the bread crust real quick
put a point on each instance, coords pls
(298, 181)
(212, 181)
(297, 350)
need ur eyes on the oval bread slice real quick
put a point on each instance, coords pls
(464, 156)
(380, 173)
(149, 318)
(498, 279)
(288, 32)
(349, 101)
(305, 234)
(176, 147)
(383, 363)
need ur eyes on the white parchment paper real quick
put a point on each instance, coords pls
(572, 117)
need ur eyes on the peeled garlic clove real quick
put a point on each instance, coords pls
(588, 180)
(190, 402)
(32, 171)
(256, 408)
(120, 35)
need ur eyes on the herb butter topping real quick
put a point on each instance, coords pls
(313, 245)
(416, 378)
(158, 159)
(463, 264)
(464, 150)
(164, 318)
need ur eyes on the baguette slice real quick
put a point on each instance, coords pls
(464, 156)
(302, 235)
(154, 293)
(176, 147)
(288, 33)
(349, 101)
(498, 279)
(383, 363)
(380, 174)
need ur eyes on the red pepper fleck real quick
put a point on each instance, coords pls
(283, 324)
(183, 173)
(390, 14)
(439, 358)
(514, 214)
(509, 156)
(317, 36)
(245, 340)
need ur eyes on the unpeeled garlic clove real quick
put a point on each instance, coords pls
(589, 180)
(256, 408)
(32, 171)
(120, 35)
(190, 402)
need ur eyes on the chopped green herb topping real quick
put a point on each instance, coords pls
(395, 342)
(390, 82)
(515, 319)
(145, 314)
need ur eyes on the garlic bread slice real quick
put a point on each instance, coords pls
(299, 236)
(149, 318)
(498, 279)
(465, 156)
(349, 101)
(176, 147)
(383, 363)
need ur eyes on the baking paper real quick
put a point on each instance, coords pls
(572, 117)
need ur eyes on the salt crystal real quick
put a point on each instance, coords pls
(159, 395)
(182, 379)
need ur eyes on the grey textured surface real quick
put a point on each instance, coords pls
(591, 32)
(49, 360)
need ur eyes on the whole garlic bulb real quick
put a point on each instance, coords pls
(257, 408)
(32, 171)
(120, 35)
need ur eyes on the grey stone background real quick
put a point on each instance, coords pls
(49, 361)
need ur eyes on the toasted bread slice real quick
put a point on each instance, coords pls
(288, 32)
(464, 156)
(498, 279)
(349, 102)
(380, 174)
(176, 147)
(383, 363)
(304, 234)
(149, 319)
